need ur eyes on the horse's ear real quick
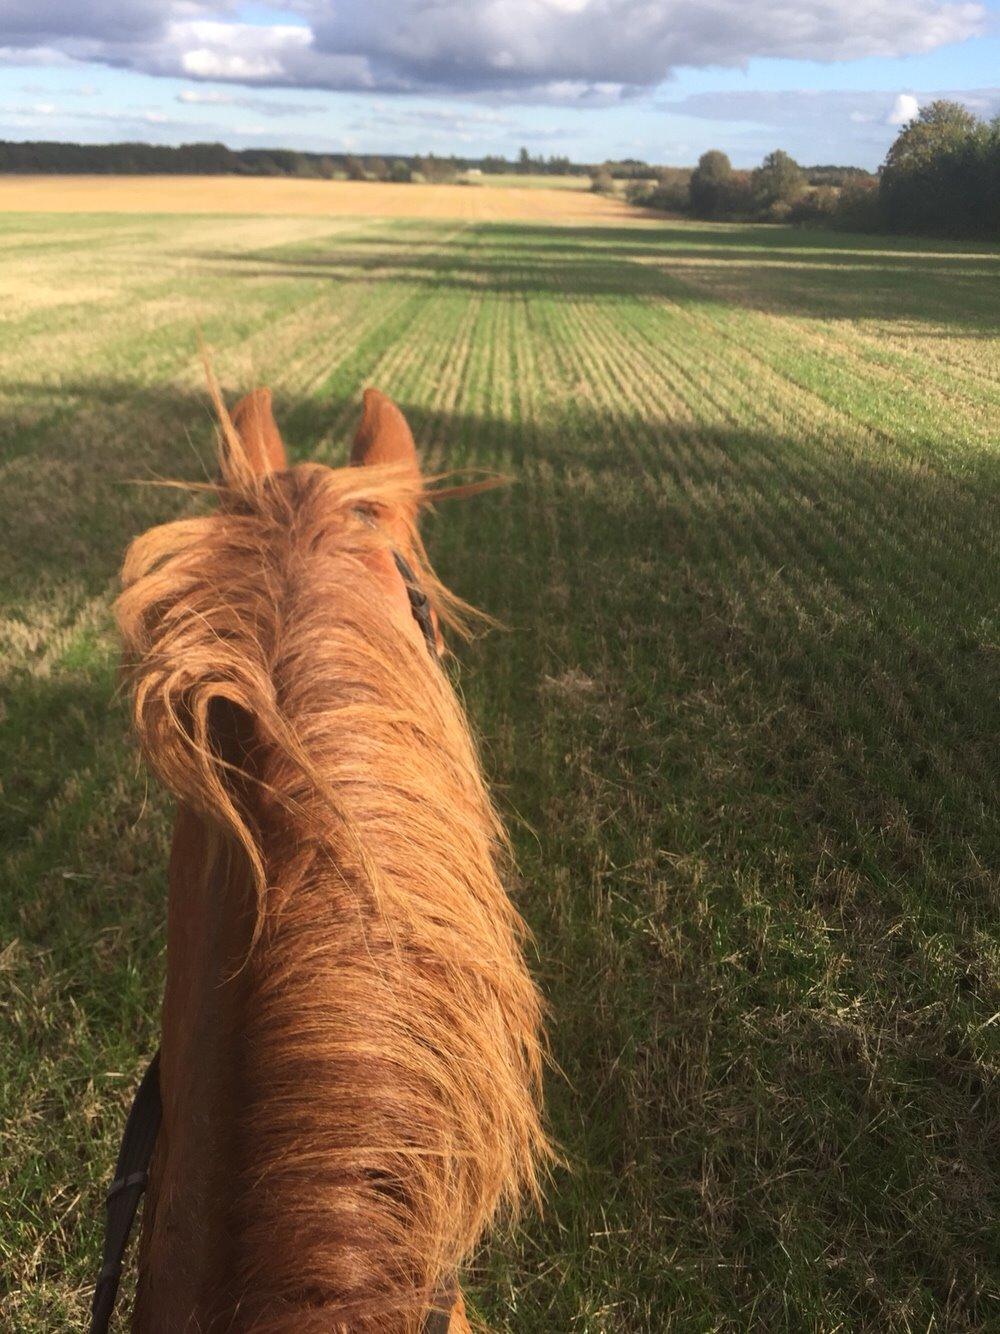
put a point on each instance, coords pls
(384, 435)
(258, 432)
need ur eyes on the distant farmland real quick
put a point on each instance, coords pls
(743, 714)
(566, 199)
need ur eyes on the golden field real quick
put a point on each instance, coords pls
(269, 195)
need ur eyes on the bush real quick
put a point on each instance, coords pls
(859, 208)
(640, 193)
(780, 210)
(670, 192)
(815, 207)
(602, 182)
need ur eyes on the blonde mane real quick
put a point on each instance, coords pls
(389, 1059)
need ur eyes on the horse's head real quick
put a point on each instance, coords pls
(351, 1040)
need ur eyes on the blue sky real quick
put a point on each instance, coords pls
(828, 80)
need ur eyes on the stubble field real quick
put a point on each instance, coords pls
(743, 720)
(488, 199)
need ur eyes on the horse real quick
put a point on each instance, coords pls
(352, 1043)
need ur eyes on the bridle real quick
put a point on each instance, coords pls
(143, 1123)
(419, 603)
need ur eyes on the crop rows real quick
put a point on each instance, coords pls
(742, 717)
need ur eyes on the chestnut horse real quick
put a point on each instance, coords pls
(350, 1055)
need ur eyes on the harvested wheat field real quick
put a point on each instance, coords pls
(261, 194)
(742, 717)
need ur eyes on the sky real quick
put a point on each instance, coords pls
(830, 81)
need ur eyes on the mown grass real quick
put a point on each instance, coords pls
(743, 720)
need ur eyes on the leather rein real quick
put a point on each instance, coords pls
(143, 1123)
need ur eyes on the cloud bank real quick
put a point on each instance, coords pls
(801, 108)
(570, 51)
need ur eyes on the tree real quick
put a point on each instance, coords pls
(437, 170)
(602, 182)
(708, 184)
(355, 168)
(937, 128)
(991, 178)
(936, 176)
(400, 172)
(778, 180)
(377, 169)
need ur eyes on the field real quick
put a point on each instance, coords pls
(503, 200)
(742, 717)
(527, 181)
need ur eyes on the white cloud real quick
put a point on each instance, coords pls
(553, 50)
(266, 106)
(904, 109)
(240, 52)
(32, 55)
(111, 116)
(195, 97)
(794, 109)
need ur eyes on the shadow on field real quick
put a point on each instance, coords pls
(747, 716)
(790, 271)
(83, 476)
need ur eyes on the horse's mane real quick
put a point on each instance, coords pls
(391, 1051)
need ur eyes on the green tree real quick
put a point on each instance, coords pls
(709, 184)
(937, 128)
(937, 175)
(778, 180)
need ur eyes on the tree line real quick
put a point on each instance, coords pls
(940, 177)
(212, 159)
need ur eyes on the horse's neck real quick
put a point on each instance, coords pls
(186, 1237)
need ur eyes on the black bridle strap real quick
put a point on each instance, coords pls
(419, 603)
(131, 1177)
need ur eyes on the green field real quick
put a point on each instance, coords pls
(743, 719)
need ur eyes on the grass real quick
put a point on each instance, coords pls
(743, 719)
